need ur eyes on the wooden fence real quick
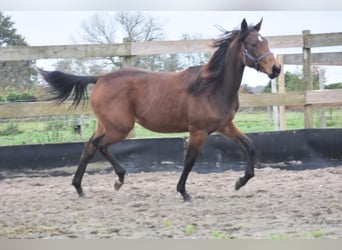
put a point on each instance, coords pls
(306, 41)
(313, 97)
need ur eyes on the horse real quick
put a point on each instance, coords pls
(199, 100)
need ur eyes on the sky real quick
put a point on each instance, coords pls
(58, 28)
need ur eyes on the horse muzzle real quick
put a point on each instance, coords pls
(276, 69)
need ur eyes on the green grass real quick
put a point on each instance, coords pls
(39, 132)
(220, 235)
(190, 229)
(60, 129)
(316, 234)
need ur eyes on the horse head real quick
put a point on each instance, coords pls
(255, 50)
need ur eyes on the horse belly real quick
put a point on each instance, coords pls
(163, 123)
(161, 105)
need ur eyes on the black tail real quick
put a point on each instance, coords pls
(65, 85)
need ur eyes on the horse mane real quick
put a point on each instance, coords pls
(207, 77)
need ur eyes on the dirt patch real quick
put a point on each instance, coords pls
(275, 204)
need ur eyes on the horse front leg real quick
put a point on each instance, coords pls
(247, 146)
(196, 142)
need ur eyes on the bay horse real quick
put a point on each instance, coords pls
(199, 100)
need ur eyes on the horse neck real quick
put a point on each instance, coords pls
(234, 68)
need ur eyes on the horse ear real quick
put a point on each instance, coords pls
(244, 26)
(258, 26)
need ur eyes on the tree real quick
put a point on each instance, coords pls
(193, 59)
(100, 28)
(138, 27)
(268, 88)
(294, 81)
(105, 28)
(14, 74)
(334, 86)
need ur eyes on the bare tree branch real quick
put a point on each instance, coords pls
(99, 28)
(139, 28)
(104, 28)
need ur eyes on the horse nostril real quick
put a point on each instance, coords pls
(276, 70)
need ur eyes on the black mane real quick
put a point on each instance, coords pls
(208, 76)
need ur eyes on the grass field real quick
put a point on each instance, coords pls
(61, 129)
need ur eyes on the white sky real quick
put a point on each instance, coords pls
(57, 28)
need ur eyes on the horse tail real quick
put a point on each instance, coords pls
(65, 85)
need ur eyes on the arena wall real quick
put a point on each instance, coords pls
(293, 149)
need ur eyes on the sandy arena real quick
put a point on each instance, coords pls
(275, 204)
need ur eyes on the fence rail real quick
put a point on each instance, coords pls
(314, 97)
(154, 47)
(327, 58)
(125, 49)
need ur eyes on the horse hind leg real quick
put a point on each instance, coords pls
(119, 170)
(87, 154)
(108, 138)
(94, 144)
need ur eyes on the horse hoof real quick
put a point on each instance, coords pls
(117, 185)
(238, 184)
(79, 191)
(187, 198)
(188, 201)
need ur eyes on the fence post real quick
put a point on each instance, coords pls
(281, 90)
(307, 79)
(128, 63)
(274, 107)
(127, 60)
(321, 87)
